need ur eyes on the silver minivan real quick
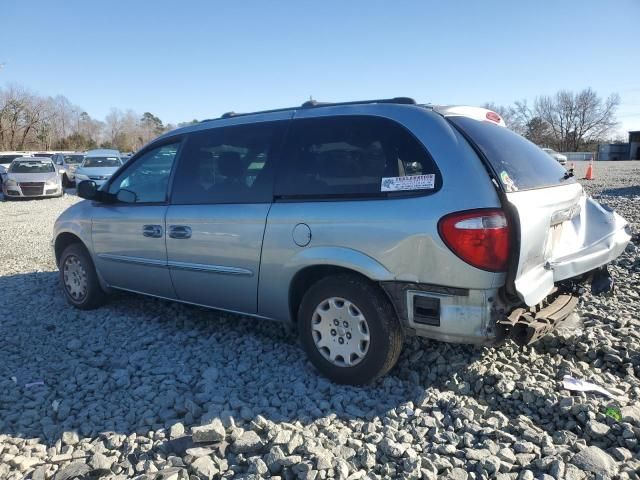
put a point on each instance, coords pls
(360, 223)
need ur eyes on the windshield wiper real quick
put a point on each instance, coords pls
(567, 175)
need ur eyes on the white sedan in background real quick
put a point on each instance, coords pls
(560, 158)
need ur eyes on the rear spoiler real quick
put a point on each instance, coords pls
(477, 113)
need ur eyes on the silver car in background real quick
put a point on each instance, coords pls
(69, 162)
(98, 166)
(32, 177)
(359, 223)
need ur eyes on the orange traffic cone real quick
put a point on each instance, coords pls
(589, 175)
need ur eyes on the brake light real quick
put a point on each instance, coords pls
(479, 237)
(493, 116)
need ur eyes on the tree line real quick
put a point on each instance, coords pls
(567, 121)
(29, 121)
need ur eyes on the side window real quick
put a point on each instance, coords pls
(353, 156)
(228, 165)
(147, 179)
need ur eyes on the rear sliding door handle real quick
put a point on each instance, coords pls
(153, 231)
(179, 231)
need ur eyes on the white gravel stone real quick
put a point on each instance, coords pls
(205, 468)
(212, 432)
(593, 459)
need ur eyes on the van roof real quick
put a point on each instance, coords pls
(477, 113)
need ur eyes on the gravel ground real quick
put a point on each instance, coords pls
(150, 389)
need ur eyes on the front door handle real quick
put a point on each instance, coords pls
(153, 231)
(179, 231)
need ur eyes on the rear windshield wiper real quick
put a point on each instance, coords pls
(567, 175)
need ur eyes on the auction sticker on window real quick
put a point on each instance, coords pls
(413, 182)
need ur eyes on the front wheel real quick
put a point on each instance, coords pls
(349, 329)
(79, 278)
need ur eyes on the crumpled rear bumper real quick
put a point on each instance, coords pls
(526, 325)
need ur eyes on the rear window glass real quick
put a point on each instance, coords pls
(73, 158)
(90, 162)
(519, 164)
(231, 164)
(354, 156)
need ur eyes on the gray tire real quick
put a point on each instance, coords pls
(349, 329)
(79, 279)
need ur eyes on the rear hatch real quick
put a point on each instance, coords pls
(559, 232)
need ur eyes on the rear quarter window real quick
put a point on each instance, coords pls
(354, 156)
(518, 163)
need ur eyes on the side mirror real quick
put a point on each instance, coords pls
(87, 189)
(62, 171)
(126, 196)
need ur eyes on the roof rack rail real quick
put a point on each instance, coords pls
(316, 104)
(398, 100)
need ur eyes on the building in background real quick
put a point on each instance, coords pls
(634, 145)
(613, 151)
(621, 151)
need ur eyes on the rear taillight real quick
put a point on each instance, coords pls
(479, 237)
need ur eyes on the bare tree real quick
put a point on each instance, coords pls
(577, 119)
(29, 121)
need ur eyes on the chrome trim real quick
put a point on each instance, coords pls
(199, 267)
(136, 260)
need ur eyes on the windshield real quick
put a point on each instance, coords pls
(518, 163)
(31, 167)
(90, 162)
(73, 158)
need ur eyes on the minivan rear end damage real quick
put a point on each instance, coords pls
(560, 237)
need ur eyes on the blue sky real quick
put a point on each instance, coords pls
(198, 59)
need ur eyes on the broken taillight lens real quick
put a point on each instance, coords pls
(479, 237)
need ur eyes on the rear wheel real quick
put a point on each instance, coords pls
(79, 278)
(349, 329)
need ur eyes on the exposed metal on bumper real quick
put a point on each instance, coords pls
(527, 325)
(465, 315)
(480, 316)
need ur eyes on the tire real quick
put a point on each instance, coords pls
(77, 263)
(65, 181)
(385, 335)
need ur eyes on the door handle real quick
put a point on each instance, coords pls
(179, 231)
(153, 231)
